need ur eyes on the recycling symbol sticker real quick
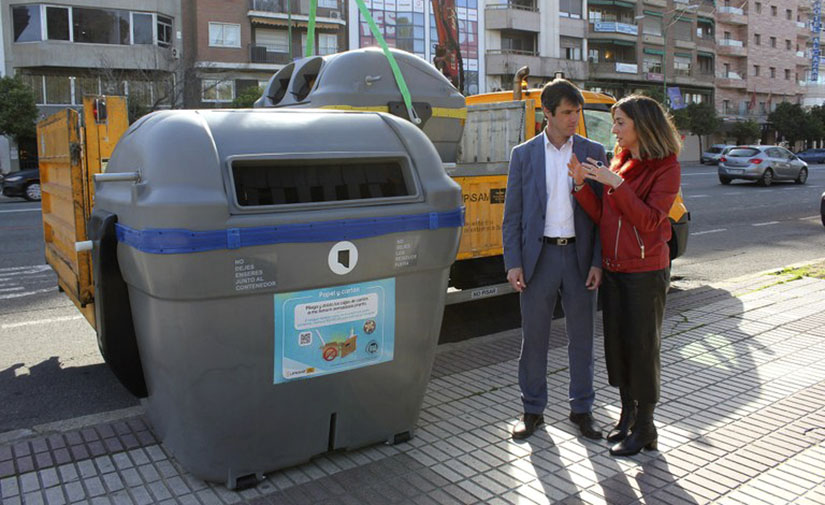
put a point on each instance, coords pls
(343, 257)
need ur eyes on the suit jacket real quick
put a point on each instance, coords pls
(525, 206)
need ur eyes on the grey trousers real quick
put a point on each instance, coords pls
(557, 272)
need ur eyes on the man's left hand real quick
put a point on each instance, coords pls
(594, 278)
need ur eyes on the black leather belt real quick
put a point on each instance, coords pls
(558, 240)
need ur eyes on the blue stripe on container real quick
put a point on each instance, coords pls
(181, 241)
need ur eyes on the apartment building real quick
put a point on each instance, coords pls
(78, 47)
(656, 45)
(762, 56)
(231, 45)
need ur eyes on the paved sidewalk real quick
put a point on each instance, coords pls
(742, 420)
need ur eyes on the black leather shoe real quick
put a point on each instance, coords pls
(587, 425)
(624, 425)
(527, 425)
(641, 437)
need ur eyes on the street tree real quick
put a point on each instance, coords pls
(746, 132)
(790, 121)
(18, 109)
(702, 120)
(246, 98)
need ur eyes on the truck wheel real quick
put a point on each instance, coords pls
(724, 180)
(32, 192)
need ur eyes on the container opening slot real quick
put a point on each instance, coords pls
(283, 183)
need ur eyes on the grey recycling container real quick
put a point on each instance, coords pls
(285, 272)
(362, 79)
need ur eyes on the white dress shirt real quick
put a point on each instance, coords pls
(559, 213)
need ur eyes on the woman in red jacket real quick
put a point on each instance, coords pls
(641, 185)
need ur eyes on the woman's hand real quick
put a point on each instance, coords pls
(599, 172)
(576, 170)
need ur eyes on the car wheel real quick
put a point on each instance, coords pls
(767, 178)
(802, 177)
(724, 180)
(32, 192)
(701, 162)
(822, 210)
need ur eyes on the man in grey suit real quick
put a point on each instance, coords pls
(552, 246)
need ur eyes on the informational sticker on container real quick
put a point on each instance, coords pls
(247, 277)
(330, 330)
(406, 252)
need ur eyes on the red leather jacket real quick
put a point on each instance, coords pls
(632, 219)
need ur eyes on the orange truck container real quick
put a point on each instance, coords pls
(73, 146)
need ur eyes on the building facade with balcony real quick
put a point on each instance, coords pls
(232, 45)
(547, 35)
(81, 47)
(652, 45)
(761, 48)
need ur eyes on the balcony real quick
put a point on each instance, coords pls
(262, 54)
(612, 30)
(512, 16)
(730, 80)
(656, 3)
(731, 47)
(706, 43)
(274, 12)
(731, 16)
(508, 61)
(615, 70)
(804, 31)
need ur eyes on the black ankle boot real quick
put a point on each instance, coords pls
(627, 418)
(642, 436)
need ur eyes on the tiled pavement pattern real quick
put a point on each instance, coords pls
(741, 421)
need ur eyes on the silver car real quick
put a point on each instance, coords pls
(763, 164)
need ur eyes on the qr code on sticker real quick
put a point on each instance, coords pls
(305, 338)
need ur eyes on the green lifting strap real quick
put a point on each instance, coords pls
(396, 71)
(311, 28)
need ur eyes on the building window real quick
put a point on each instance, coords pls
(683, 30)
(788, 14)
(704, 31)
(58, 90)
(213, 90)
(85, 86)
(652, 25)
(682, 65)
(756, 70)
(570, 9)
(572, 48)
(142, 28)
(773, 10)
(773, 72)
(762, 109)
(652, 63)
(759, 7)
(757, 39)
(593, 55)
(726, 106)
(164, 31)
(787, 74)
(327, 43)
(224, 35)
(705, 64)
(773, 42)
(328, 4)
(276, 41)
(26, 23)
(57, 23)
(788, 45)
(98, 26)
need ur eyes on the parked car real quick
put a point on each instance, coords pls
(711, 156)
(812, 155)
(822, 208)
(25, 183)
(762, 164)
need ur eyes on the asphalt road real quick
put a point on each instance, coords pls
(50, 367)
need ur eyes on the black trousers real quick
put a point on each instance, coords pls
(633, 306)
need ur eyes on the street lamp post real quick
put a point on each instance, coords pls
(676, 15)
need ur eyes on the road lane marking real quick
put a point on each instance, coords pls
(700, 173)
(15, 288)
(708, 231)
(25, 267)
(729, 193)
(27, 293)
(809, 217)
(698, 196)
(765, 224)
(40, 321)
(18, 210)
